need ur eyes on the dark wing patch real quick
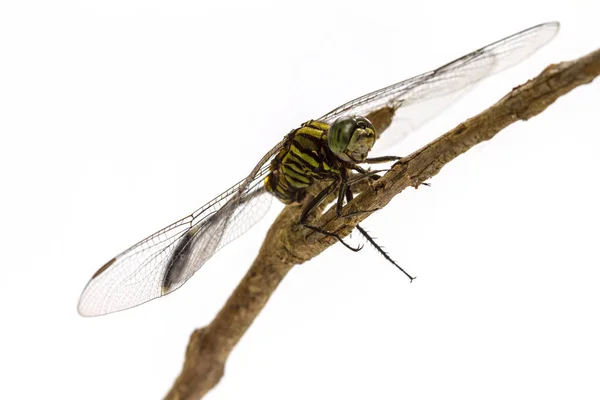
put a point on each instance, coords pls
(163, 261)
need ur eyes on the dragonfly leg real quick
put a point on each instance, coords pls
(365, 174)
(384, 159)
(340, 201)
(314, 204)
(380, 160)
(379, 248)
(384, 253)
(345, 186)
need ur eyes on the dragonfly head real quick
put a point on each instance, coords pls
(351, 138)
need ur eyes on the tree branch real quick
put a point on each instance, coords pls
(287, 244)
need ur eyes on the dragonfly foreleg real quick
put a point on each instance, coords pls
(384, 159)
(373, 174)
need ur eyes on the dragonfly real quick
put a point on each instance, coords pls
(328, 150)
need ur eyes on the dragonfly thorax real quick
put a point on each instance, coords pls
(351, 138)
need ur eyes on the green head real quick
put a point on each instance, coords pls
(351, 138)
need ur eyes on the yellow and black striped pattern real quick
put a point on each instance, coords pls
(305, 157)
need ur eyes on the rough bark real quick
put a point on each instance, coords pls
(286, 244)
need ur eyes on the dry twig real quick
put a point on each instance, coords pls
(287, 245)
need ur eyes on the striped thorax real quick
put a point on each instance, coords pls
(317, 151)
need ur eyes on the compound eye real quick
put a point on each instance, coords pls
(364, 123)
(340, 133)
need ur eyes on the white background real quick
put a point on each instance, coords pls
(118, 117)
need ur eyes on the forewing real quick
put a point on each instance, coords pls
(163, 261)
(416, 100)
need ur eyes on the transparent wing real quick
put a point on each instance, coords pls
(165, 260)
(412, 102)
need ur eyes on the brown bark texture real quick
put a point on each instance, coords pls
(286, 244)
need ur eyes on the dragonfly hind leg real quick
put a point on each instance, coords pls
(379, 248)
(382, 251)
